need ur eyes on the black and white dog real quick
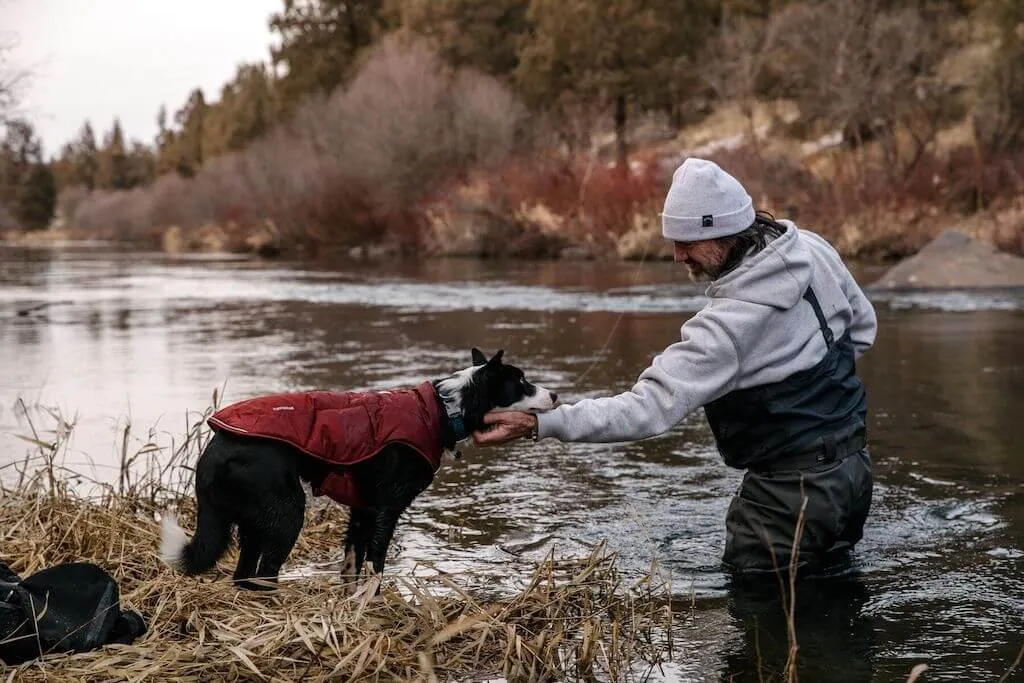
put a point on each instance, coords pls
(253, 483)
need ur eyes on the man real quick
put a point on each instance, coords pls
(771, 358)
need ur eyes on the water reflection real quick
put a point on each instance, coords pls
(835, 638)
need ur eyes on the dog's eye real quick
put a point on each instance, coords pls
(523, 381)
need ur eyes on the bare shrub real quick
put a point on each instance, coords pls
(395, 118)
(557, 201)
(167, 199)
(351, 168)
(998, 115)
(866, 70)
(610, 199)
(736, 62)
(12, 81)
(865, 215)
(69, 199)
(409, 123)
(489, 121)
(124, 215)
(783, 186)
(221, 192)
(998, 119)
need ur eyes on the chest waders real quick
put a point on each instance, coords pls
(801, 438)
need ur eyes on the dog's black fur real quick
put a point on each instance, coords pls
(255, 485)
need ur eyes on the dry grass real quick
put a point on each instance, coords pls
(576, 619)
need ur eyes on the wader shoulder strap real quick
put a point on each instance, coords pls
(826, 331)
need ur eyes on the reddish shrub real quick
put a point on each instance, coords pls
(593, 200)
(782, 186)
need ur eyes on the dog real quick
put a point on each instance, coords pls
(372, 451)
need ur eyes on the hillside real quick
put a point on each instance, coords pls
(546, 129)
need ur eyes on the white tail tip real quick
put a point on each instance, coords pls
(173, 540)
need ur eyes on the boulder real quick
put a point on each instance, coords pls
(173, 240)
(264, 239)
(954, 260)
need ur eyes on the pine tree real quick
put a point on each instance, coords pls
(611, 54)
(86, 158)
(38, 197)
(247, 108)
(63, 166)
(27, 186)
(114, 171)
(320, 41)
(141, 164)
(483, 34)
(191, 119)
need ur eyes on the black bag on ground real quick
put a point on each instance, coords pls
(73, 607)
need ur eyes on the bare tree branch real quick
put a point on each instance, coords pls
(867, 71)
(734, 63)
(12, 81)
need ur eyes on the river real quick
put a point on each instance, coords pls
(115, 336)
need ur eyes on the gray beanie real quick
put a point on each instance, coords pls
(705, 203)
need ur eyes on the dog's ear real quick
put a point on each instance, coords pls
(496, 360)
(478, 356)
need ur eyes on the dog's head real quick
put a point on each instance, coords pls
(491, 384)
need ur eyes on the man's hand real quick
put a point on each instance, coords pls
(506, 426)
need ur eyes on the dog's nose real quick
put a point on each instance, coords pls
(554, 396)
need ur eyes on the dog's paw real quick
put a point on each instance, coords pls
(363, 590)
(373, 580)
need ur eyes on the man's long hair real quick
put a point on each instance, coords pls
(763, 230)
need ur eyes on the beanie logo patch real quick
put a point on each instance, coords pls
(707, 221)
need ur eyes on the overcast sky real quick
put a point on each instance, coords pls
(97, 59)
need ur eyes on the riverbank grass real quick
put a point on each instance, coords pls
(572, 619)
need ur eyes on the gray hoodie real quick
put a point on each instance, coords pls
(756, 329)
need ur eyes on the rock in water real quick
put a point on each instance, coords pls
(954, 260)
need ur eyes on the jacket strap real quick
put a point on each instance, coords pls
(826, 331)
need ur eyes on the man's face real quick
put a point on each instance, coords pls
(703, 259)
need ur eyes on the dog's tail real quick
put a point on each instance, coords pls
(199, 554)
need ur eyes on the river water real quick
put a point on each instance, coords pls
(122, 336)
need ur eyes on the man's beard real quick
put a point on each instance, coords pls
(698, 273)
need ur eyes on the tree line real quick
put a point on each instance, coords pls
(872, 69)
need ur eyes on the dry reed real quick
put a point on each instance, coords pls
(575, 620)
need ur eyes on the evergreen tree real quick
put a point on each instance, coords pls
(86, 158)
(320, 41)
(611, 54)
(63, 166)
(141, 164)
(37, 197)
(114, 167)
(483, 34)
(247, 108)
(191, 119)
(27, 186)
(164, 144)
(20, 150)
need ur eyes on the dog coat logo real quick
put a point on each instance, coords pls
(707, 221)
(275, 408)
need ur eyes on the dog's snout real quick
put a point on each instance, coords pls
(554, 397)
